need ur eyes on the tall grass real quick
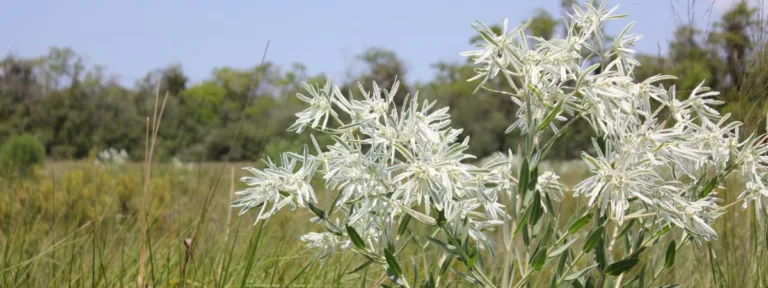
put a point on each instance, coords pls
(79, 225)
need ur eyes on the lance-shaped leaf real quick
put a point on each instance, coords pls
(355, 237)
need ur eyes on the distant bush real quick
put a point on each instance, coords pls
(20, 153)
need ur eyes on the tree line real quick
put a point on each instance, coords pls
(77, 111)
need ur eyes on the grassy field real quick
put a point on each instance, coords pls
(78, 225)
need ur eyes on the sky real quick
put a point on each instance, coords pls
(134, 37)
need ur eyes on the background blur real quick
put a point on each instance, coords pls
(80, 75)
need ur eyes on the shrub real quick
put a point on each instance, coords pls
(20, 154)
(402, 177)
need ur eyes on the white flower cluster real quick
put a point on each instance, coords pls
(653, 147)
(386, 161)
(655, 154)
(111, 156)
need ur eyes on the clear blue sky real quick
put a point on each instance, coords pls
(133, 37)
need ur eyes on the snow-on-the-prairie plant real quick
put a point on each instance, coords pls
(399, 178)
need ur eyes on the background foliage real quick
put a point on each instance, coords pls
(76, 110)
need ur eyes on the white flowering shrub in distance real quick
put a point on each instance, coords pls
(400, 180)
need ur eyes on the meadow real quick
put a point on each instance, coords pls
(77, 224)
(70, 218)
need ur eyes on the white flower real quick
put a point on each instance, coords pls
(329, 243)
(279, 186)
(548, 184)
(615, 180)
(321, 103)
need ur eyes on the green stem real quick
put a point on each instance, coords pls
(570, 267)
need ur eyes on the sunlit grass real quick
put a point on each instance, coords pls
(75, 224)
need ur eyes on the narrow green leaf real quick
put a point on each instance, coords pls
(445, 265)
(404, 224)
(319, 212)
(600, 255)
(639, 240)
(560, 249)
(523, 175)
(578, 274)
(538, 260)
(392, 263)
(472, 258)
(361, 267)
(446, 247)
(536, 210)
(441, 218)
(551, 116)
(534, 178)
(547, 234)
(430, 282)
(356, 239)
(708, 188)
(578, 224)
(669, 259)
(626, 228)
(621, 266)
(521, 222)
(592, 239)
(590, 283)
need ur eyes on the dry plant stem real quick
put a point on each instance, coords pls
(149, 145)
(140, 278)
(618, 281)
(229, 211)
(613, 238)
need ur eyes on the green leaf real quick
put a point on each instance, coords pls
(472, 258)
(662, 231)
(521, 222)
(356, 239)
(578, 274)
(441, 218)
(361, 267)
(404, 224)
(430, 282)
(561, 263)
(559, 250)
(626, 228)
(547, 234)
(639, 240)
(551, 116)
(592, 239)
(578, 224)
(669, 259)
(600, 255)
(590, 283)
(392, 263)
(445, 265)
(553, 281)
(538, 260)
(319, 212)
(621, 266)
(535, 208)
(446, 247)
(708, 188)
(534, 178)
(522, 177)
